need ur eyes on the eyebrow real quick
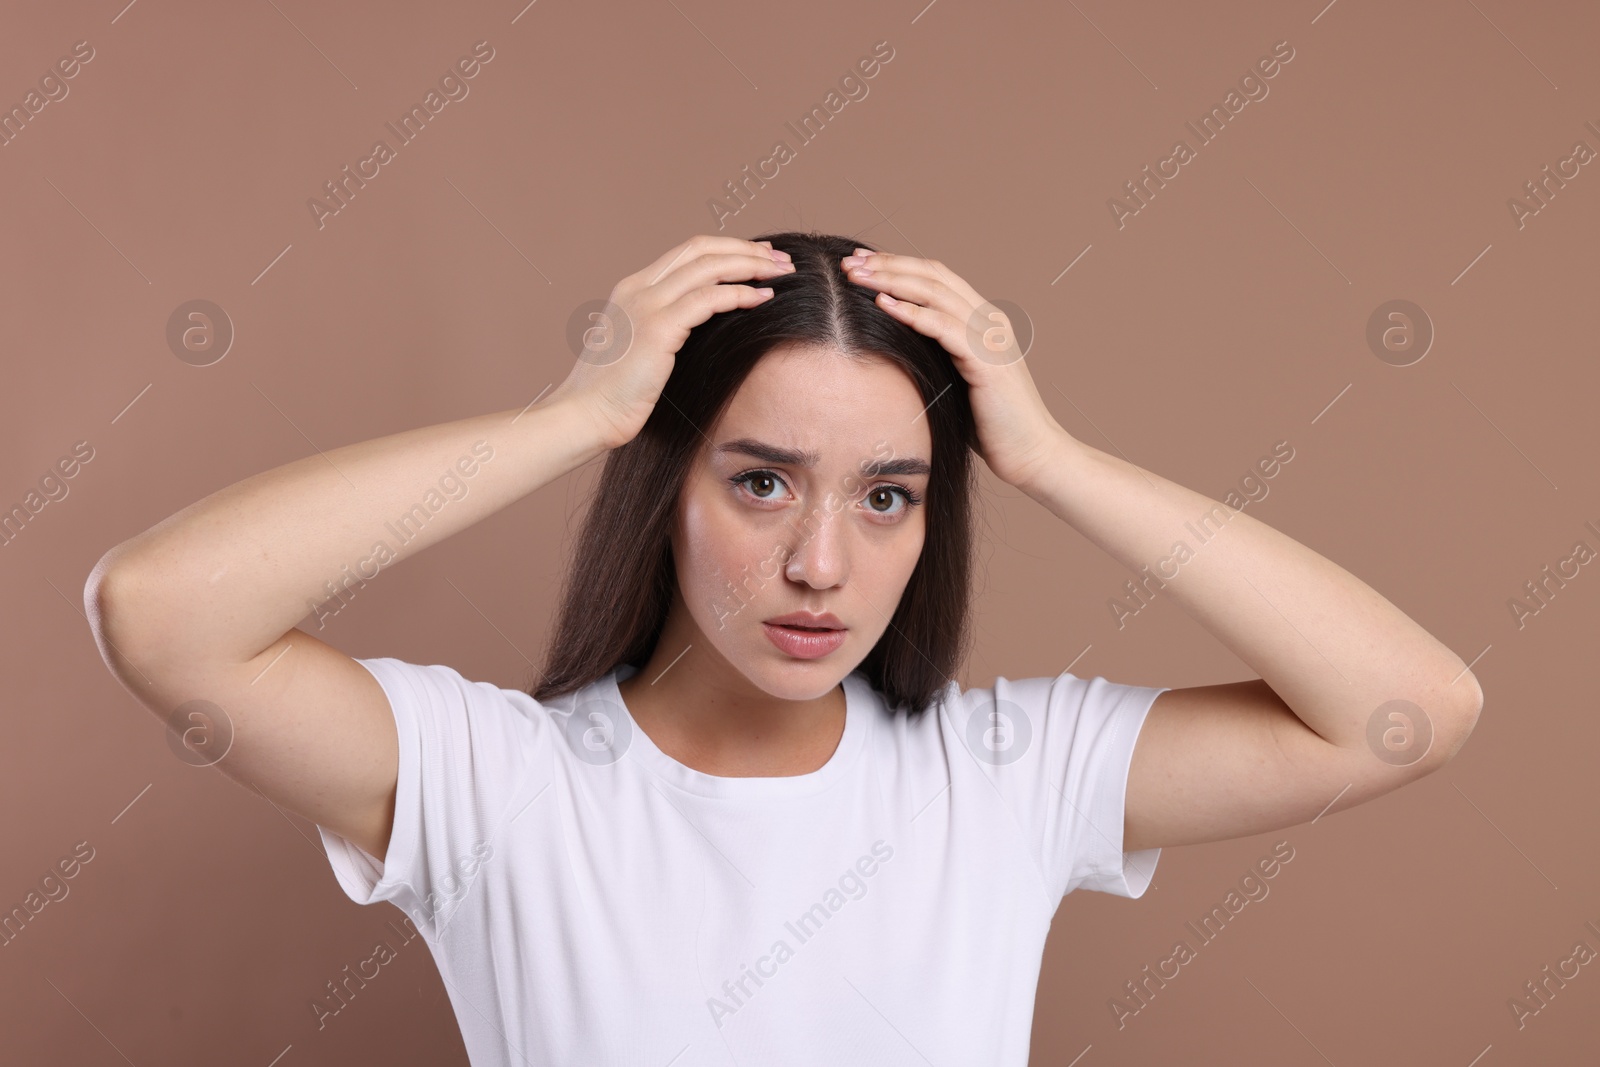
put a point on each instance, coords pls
(790, 457)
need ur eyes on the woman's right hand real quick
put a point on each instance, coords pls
(625, 361)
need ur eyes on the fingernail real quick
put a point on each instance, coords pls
(781, 256)
(852, 261)
(863, 251)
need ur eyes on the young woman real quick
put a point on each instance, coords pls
(745, 814)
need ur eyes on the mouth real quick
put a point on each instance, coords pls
(804, 641)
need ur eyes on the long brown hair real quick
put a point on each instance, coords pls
(615, 597)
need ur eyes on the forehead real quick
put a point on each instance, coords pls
(820, 399)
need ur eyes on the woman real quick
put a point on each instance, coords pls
(745, 815)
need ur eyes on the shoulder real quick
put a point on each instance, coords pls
(1057, 707)
(1050, 692)
(439, 692)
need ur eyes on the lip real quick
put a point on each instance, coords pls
(803, 645)
(826, 620)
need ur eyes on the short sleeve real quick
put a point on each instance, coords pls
(466, 750)
(1059, 750)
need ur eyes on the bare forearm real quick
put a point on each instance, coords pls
(230, 574)
(1329, 645)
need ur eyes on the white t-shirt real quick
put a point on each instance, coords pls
(590, 900)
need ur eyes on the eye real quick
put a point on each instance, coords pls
(890, 500)
(885, 495)
(761, 484)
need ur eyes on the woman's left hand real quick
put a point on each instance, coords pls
(1017, 435)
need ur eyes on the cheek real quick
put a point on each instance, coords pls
(906, 552)
(717, 551)
(882, 570)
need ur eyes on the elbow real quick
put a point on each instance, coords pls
(112, 604)
(1458, 713)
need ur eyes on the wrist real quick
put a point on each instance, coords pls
(584, 434)
(1057, 453)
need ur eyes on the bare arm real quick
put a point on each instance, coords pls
(1336, 659)
(1241, 758)
(203, 605)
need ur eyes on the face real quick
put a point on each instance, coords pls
(807, 499)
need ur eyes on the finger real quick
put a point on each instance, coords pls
(879, 262)
(706, 270)
(698, 305)
(699, 244)
(920, 288)
(948, 331)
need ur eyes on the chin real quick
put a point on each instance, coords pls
(788, 678)
(786, 685)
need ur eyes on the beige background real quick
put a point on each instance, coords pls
(1226, 316)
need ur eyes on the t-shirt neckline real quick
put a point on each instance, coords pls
(857, 694)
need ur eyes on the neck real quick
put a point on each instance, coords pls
(700, 710)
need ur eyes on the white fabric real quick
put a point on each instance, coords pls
(590, 900)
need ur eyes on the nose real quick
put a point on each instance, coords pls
(818, 553)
